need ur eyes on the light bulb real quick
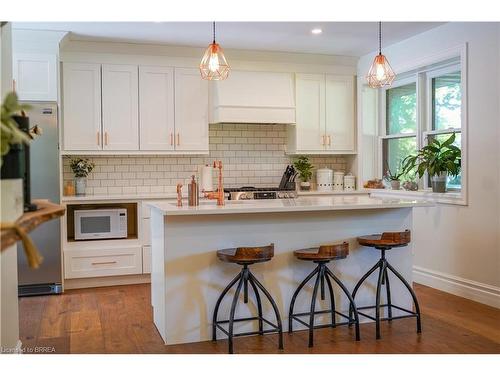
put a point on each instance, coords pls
(213, 63)
(380, 72)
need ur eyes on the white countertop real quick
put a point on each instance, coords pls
(312, 203)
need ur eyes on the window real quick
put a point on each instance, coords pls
(401, 125)
(422, 105)
(446, 113)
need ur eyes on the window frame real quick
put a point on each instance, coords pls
(451, 60)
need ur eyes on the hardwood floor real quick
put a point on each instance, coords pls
(119, 320)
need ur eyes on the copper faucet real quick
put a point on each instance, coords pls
(219, 194)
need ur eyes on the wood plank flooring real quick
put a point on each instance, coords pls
(119, 320)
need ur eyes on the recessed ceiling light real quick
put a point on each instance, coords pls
(316, 31)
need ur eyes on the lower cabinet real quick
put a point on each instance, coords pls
(103, 262)
(146, 259)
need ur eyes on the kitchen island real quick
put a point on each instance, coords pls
(187, 278)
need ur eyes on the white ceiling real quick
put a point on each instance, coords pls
(338, 38)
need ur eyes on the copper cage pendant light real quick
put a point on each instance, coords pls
(213, 65)
(380, 73)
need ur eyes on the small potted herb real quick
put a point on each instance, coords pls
(304, 167)
(438, 159)
(81, 168)
(394, 178)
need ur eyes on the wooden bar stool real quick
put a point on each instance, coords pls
(383, 242)
(246, 256)
(322, 256)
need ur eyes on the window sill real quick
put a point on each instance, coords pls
(452, 197)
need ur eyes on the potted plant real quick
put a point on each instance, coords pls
(394, 178)
(438, 159)
(304, 167)
(81, 168)
(12, 161)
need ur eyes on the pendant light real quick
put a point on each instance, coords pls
(213, 65)
(380, 73)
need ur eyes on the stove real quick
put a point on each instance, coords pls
(250, 192)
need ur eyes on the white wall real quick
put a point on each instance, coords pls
(457, 248)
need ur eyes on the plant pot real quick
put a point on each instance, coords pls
(305, 185)
(80, 185)
(438, 182)
(395, 184)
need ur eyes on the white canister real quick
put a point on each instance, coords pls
(349, 182)
(324, 179)
(338, 181)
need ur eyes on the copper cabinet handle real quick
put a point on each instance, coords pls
(178, 139)
(97, 263)
(171, 139)
(323, 139)
(105, 138)
(329, 140)
(98, 140)
(14, 85)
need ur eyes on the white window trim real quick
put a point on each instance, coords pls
(423, 73)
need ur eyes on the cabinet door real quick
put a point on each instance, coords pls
(120, 107)
(340, 125)
(191, 111)
(81, 99)
(35, 76)
(310, 112)
(156, 108)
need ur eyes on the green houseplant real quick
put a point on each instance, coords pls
(10, 133)
(304, 167)
(438, 159)
(81, 168)
(395, 178)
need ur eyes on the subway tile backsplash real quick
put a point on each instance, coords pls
(252, 155)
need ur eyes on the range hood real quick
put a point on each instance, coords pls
(253, 98)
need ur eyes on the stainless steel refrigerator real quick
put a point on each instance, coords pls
(44, 172)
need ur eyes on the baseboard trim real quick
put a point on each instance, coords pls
(479, 292)
(96, 282)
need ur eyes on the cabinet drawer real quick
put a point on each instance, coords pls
(102, 262)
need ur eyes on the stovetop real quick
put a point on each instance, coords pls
(252, 188)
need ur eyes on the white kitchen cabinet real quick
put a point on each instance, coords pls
(146, 259)
(96, 262)
(81, 107)
(310, 112)
(120, 107)
(339, 98)
(324, 115)
(156, 108)
(191, 110)
(35, 75)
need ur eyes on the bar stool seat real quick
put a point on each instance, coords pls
(386, 241)
(322, 255)
(246, 256)
(323, 252)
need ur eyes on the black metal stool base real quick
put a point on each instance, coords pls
(244, 278)
(383, 278)
(323, 274)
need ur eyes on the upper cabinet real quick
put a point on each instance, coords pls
(35, 76)
(191, 110)
(253, 97)
(81, 107)
(325, 115)
(120, 107)
(156, 108)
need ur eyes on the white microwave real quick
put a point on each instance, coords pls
(100, 224)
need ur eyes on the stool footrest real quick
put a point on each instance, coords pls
(411, 314)
(246, 320)
(322, 325)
